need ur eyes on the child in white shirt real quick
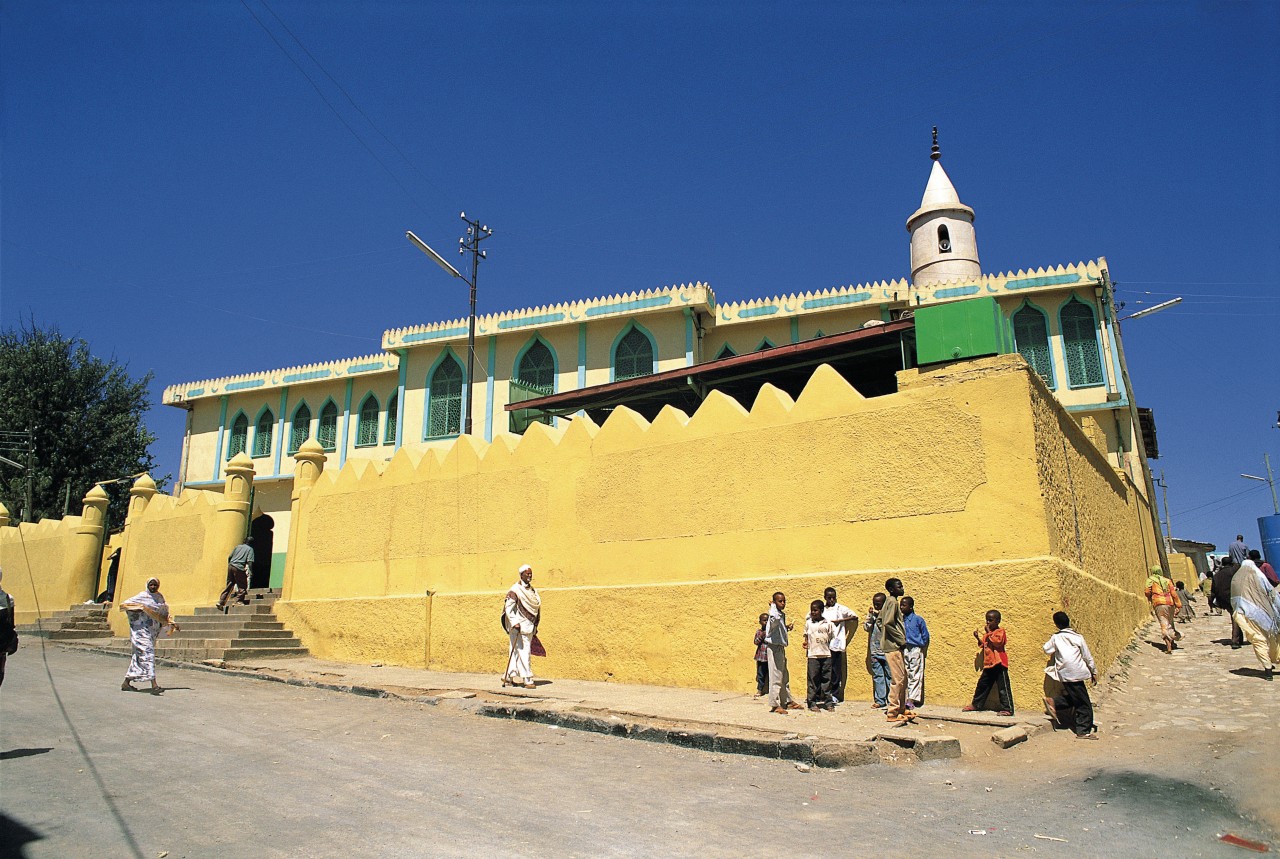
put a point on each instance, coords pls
(818, 633)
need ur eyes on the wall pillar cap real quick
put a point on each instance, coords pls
(97, 493)
(144, 485)
(240, 462)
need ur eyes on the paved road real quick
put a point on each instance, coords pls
(224, 767)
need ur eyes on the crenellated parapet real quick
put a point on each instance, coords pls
(338, 369)
(902, 293)
(548, 315)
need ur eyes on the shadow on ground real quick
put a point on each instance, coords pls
(14, 836)
(22, 753)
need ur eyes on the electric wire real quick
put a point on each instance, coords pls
(62, 708)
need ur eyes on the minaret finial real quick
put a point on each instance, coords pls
(935, 153)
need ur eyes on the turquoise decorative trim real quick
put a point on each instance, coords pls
(280, 440)
(345, 435)
(531, 320)
(222, 430)
(795, 329)
(404, 372)
(582, 354)
(251, 383)
(1122, 403)
(1046, 280)
(836, 300)
(195, 392)
(488, 386)
(623, 306)
(366, 368)
(765, 343)
(308, 376)
(753, 312)
(422, 336)
(956, 291)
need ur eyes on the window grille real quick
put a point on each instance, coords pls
(239, 435)
(444, 408)
(1080, 342)
(300, 429)
(327, 431)
(367, 423)
(1031, 336)
(633, 357)
(262, 434)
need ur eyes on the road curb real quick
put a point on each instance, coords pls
(814, 751)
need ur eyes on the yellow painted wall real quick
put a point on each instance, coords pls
(41, 563)
(655, 528)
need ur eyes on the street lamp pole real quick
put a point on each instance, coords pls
(1269, 479)
(476, 233)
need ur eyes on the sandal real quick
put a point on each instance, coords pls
(968, 708)
(792, 705)
(779, 710)
(1004, 713)
(126, 686)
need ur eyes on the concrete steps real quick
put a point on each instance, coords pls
(240, 632)
(79, 621)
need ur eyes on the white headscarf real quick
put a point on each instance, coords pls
(146, 599)
(1253, 596)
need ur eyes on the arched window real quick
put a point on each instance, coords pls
(537, 369)
(262, 433)
(1080, 342)
(367, 423)
(299, 428)
(726, 351)
(239, 435)
(944, 239)
(535, 377)
(327, 431)
(633, 356)
(393, 416)
(1031, 337)
(444, 407)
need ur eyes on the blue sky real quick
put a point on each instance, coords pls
(178, 192)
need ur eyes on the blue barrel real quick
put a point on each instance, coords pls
(1269, 529)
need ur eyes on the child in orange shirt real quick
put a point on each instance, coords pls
(995, 667)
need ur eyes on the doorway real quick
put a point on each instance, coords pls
(261, 531)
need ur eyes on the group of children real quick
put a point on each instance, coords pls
(829, 629)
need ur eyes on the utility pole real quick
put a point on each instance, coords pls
(1270, 480)
(476, 233)
(1168, 526)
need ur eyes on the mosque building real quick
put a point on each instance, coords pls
(669, 346)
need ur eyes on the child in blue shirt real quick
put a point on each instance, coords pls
(914, 652)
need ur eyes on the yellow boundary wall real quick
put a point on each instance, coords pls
(657, 545)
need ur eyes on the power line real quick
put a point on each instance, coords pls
(1220, 500)
(334, 110)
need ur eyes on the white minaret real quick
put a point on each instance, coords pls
(943, 243)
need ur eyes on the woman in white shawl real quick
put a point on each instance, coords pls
(148, 613)
(520, 616)
(1255, 605)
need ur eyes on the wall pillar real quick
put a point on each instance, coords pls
(230, 523)
(308, 466)
(4, 516)
(85, 558)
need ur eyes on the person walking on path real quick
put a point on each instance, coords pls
(8, 635)
(818, 632)
(522, 610)
(995, 667)
(1256, 606)
(914, 652)
(1206, 588)
(1267, 570)
(148, 615)
(238, 567)
(1072, 665)
(775, 636)
(1238, 551)
(846, 626)
(1165, 603)
(893, 638)
(1222, 598)
(877, 665)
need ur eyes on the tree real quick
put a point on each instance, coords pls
(84, 413)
